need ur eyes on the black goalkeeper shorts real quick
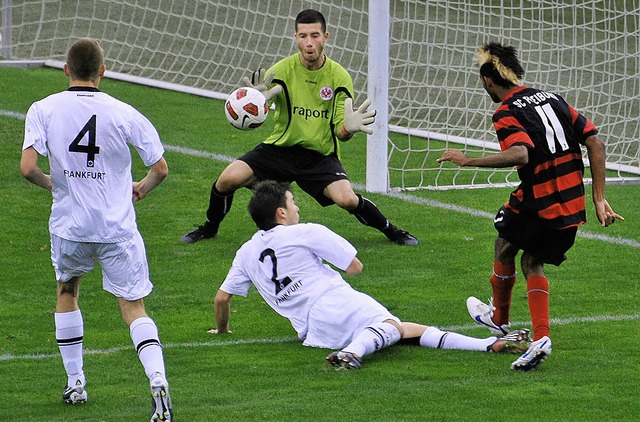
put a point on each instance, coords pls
(530, 233)
(311, 170)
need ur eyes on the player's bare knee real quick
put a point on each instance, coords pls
(346, 201)
(70, 287)
(237, 174)
(505, 252)
(531, 266)
(131, 310)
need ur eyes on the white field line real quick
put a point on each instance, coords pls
(414, 199)
(398, 195)
(190, 345)
(401, 196)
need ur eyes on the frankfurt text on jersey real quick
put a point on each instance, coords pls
(97, 175)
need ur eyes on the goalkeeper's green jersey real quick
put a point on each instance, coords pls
(310, 109)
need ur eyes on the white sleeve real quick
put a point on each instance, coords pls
(34, 135)
(329, 246)
(144, 137)
(237, 282)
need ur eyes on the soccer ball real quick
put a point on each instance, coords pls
(246, 108)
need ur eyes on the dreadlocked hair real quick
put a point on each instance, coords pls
(501, 64)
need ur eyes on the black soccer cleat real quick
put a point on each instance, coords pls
(199, 233)
(401, 237)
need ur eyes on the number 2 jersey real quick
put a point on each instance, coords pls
(552, 181)
(86, 133)
(286, 266)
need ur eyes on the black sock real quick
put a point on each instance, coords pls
(219, 206)
(368, 214)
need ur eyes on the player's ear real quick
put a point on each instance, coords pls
(103, 69)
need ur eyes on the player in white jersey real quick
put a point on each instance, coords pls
(85, 134)
(287, 262)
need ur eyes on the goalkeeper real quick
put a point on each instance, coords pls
(313, 98)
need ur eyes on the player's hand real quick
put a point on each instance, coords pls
(455, 156)
(138, 194)
(357, 121)
(606, 215)
(261, 83)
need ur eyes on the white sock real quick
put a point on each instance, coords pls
(373, 338)
(437, 339)
(69, 336)
(144, 334)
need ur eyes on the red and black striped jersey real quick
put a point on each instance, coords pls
(552, 181)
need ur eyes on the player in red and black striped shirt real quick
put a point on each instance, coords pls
(542, 135)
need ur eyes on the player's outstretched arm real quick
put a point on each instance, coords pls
(261, 82)
(516, 155)
(358, 120)
(222, 310)
(597, 158)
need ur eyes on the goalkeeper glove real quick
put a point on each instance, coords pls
(261, 83)
(357, 121)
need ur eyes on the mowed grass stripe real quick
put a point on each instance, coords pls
(414, 199)
(112, 350)
(397, 195)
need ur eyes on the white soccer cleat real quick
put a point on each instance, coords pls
(538, 352)
(344, 360)
(483, 313)
(517, 341)
(75, 394)
(160, 401)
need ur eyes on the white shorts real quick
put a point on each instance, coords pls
(125, 272)
(340, 315)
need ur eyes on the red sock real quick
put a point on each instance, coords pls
(502, 281)
(538, 298)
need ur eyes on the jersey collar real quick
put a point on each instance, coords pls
(514, 91)
(83, 88)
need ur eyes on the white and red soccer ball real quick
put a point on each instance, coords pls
(246, 108)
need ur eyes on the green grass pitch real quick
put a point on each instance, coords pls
(260, 372)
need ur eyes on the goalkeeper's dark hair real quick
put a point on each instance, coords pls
(268, 196)
(311, 16)
(84, 60)
(500, 64)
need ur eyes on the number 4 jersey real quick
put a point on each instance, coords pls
(552, 131)
(86, 135)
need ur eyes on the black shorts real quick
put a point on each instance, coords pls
(310, 170)
(530, 233)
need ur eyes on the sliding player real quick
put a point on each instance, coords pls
(285, 260)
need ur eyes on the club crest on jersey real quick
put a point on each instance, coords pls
(326, 93)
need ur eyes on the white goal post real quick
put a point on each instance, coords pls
(414, 58)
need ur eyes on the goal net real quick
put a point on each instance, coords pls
(588, 51)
